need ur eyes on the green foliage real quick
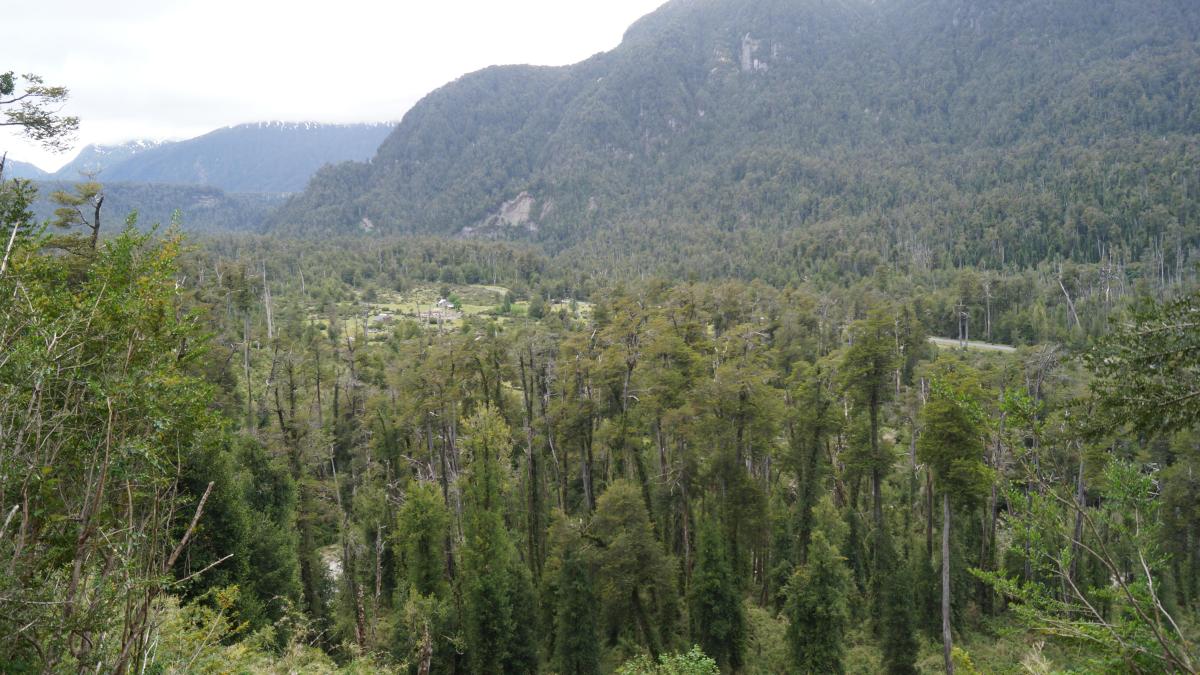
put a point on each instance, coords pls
(27, 103)
(97, 363)
(637, 585)
(497, 592)
(718, 622)
(897, 625)
(951, 440)
(817, 609)
(693, 662)
(766, 641)
(1122, 619)
(247, 539)
(577, 642)
(537, 307)
(16, 198)
(1147, 369)
(421, 539)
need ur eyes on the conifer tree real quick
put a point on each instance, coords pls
(637, 589)
(897, 639)
(497, 595)
(717, 618)
(422, 522)
(951, 444)
(577, 646)
(867, 369)
(817, 610)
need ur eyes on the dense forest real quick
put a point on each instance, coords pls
(251, 454)
(259, 158)
(944, 133)
(788, 337)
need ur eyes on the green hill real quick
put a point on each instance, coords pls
(263, 157)
(939, 132)
(200, 209)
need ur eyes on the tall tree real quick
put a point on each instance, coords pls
(817, 610)
(717, 618)
(497, 593)
(577, 643)
(867, 369)
(951, 444)
(637, 582)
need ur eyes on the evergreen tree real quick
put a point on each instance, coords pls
(497, 594)
(637, 585)
(537, 306)
(866, 370)
(422, 523)
(952, 445)
(897, 637)
(817, 610)
(577, 645)
(717, 617)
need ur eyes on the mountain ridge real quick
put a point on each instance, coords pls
(265, 157)
(893, 121)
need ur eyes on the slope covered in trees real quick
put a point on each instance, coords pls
(199, 209)
(267, 157)
(557, 480)
(694, 425)
(96, 158)
(947, 132)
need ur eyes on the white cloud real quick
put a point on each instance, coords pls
(178, 68)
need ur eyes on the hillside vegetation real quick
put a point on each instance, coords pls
(822, 336)
(942, 133)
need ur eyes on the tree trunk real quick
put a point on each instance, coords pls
(246, 370)
(947, 640)
(876, 470)
(96, 222)
(1081, 501)
(928, 515)
(267, 305)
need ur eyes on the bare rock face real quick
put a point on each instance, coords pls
(516, 212)
(750, 47)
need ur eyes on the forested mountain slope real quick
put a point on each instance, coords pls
(226, 180)
(99, 159)
(270, 157)
(258, 157)
(200, 209)
(15, 169)
(947, 132)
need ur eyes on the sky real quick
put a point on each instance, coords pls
(175, 69)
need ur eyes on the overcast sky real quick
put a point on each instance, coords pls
(172, 69)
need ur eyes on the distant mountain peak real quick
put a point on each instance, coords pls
(256, 157)
(97, 158)
(14, 168)
(308, 125)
